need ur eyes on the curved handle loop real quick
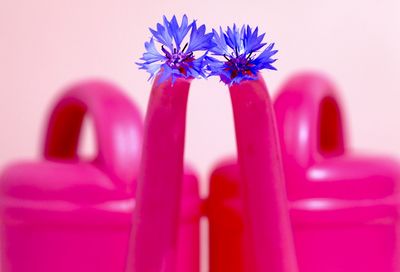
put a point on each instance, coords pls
(309, 119)
(117, 122)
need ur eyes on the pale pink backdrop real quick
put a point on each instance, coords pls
(46, 44)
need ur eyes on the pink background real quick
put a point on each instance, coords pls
(46, 44)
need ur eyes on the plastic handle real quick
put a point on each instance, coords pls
(309, 119)
(118, 128)
(156, 219)
(268, 231)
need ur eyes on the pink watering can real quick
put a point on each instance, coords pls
(66, 214)
(344, 208)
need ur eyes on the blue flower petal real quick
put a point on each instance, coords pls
(198, 66)
(265, 56)
(220, 47)
(152, 55)
(198, 39)
(162, 36)
(233, 38)
(179, 32)
(251, 41)
(152, 68)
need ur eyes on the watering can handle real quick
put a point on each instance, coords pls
(117, 123)
(309, 120)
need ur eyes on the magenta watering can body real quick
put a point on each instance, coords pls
(343, 207)
(67, 214)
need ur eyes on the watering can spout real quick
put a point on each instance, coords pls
(267, 225)
(155, 224)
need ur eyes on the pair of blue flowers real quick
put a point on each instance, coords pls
(187, 51)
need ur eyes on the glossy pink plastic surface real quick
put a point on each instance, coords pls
(250, 228)
(269, 245)
(344, 207)
(67, 214)
(264, 203)
(155, 228)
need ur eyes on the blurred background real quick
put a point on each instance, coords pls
(46, 45)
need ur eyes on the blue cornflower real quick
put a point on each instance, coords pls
(235, 54)
(174, 60)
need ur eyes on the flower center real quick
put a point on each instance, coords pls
(239, 64)
(179, 60)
